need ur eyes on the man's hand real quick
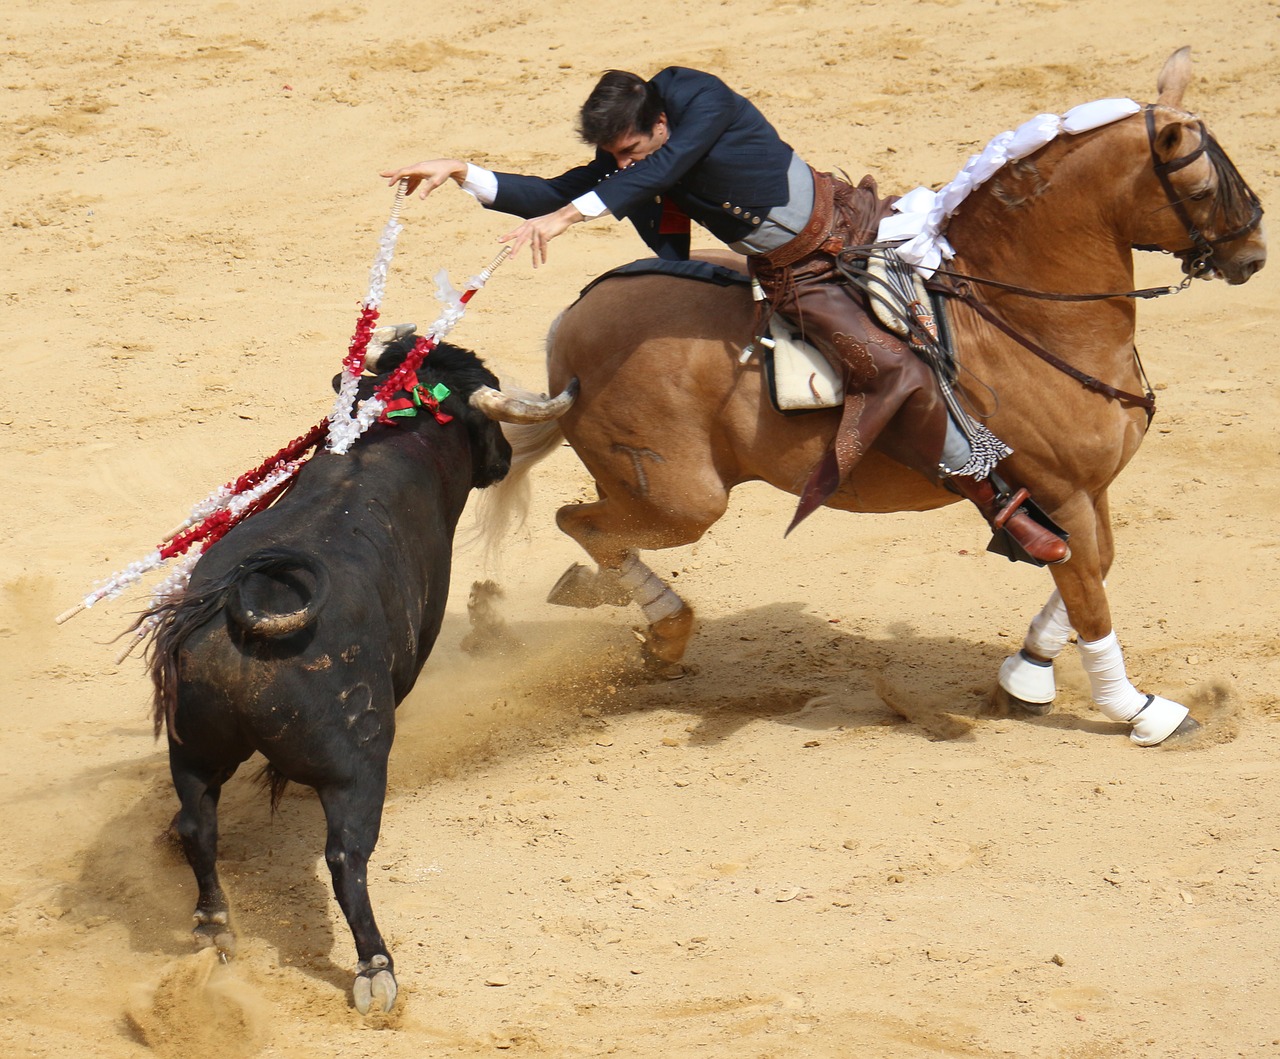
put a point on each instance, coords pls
(430, 175)
(538, 231)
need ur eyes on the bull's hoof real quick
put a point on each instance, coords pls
(374, 982)
(213, 931)
(582, 587)
(1008, 704)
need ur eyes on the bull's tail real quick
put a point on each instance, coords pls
(277, 592)
(271, 594)
(502, 508)
(274, 782)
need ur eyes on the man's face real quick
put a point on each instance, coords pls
(632, 146)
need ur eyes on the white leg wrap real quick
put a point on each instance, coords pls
(1104, 662)
(1026, 680)
(655, 597)
(1050, 629)
(1153, 718)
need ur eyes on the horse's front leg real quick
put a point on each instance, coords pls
(1079, 605)
(1027, 677)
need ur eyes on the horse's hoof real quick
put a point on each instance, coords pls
(1159, 720)
(665, 640)
(669, 670)
(1189, 727)
(374, 983)
(1028, 685)
(582, 587)
(1011, 704)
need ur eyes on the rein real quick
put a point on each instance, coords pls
(1146, 401)
(1030, 292)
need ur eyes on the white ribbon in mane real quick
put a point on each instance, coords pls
(920, 217)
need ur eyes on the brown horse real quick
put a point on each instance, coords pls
(1065, 219)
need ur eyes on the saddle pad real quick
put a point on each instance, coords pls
(703, 271)
(800, 378)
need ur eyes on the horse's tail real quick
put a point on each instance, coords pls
(243, 594)
(503, 508)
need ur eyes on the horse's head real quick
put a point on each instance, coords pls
(1202, 209)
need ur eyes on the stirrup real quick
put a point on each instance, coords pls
(1004, 543)
(1007, 506)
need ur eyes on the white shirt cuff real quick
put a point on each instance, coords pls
(589, 205)
(481, 183)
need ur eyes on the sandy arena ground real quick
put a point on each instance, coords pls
(819, 845)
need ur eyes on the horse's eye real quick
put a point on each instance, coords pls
(1201, 195)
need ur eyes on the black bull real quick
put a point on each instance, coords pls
(303, 629)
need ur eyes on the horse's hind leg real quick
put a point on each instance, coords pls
(199, 786)
(615, 527)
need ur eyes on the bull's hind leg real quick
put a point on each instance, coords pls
(199, 787)
(616, 526)
(353, 811)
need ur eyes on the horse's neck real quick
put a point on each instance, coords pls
(1052, 223)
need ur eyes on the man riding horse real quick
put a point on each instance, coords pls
(683, 146)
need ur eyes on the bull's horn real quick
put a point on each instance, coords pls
(522, 407)
(389, 335)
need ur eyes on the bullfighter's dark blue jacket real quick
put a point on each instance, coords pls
(723, 165)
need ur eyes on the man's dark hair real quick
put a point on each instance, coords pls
(620, 103)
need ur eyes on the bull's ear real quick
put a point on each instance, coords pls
(364, 389)
(490, 450)
(388, 346)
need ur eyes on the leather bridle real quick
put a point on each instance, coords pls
(1232, 193)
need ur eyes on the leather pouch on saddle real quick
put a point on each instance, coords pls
(799, 378)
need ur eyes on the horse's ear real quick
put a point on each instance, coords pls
(1168, 143)
(1174, 78)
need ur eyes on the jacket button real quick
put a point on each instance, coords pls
(737, 210)
(725, 205)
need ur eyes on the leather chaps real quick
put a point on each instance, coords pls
(891, 395)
